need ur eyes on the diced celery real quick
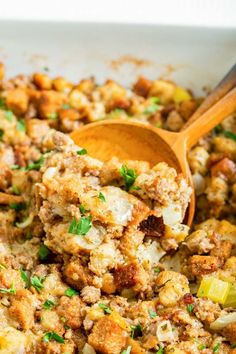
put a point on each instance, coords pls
(181, 95)
(231, 297)
(214, 289)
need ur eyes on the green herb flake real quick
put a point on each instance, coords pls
(43, 252)
(25, 278)
(2, 103)
(151, 109)
(67, 327)
(15, 189)
(15, 167)
(190, 308)
(155, 99)
(135, 188)
(82, 209)
(105, 308)
(136, 331)
(82, 152)
(216, 348)
(230, 135)
(158, 125)
(127, 350)
(101, 197)
(37, 283)
(81, 227)
(218, 129)
(48, 304)
(21, 126)
(12, 290)
(152, 314)
(160, 350)
(71, 292)
(65, 106)
(1, 133)
(53, 115)
(36, 165)
(157, 270)
(17, 206)
(9, 116)
(129, 175)
(53, 336)
(201, 347)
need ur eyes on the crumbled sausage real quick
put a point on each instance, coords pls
(129, 275)
(71, 310)
(142, 87)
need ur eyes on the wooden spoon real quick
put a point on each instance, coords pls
(139, 141)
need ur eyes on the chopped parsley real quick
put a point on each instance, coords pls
(160, 350)
(37, 283)
(81, 227)
(17, 206)
(25, 278)
(82, 152)
(156, 270)
(101, 197)
(43, 252)
(190, 308)
(230, 135)
(35, 165)
(2, 103)
(135, 188)
(82, 209)
(48, 304)
(71, 292)
(129, 175)
(53, 336)
(136, 331)
(21, 126)
(218, 129)
(216, 348)
(201, 347)
(65, 106)
(105, 308)
(155, 99)
(15, 167)
(12, 290)
(153, 106)
(52, 115)
(152, 314)
(15, 189)
(127, 350)
(9, 115)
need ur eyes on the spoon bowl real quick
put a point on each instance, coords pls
(132, 140)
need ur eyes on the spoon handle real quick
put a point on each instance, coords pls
(208, 120)
(225, 85)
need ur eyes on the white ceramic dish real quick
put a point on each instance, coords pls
(192, 56)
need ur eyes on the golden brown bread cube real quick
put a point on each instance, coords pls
(201, 265)
(229, 332)
(17, 101)
(49, 103)
(107, 337)
(76, 275)
(42, 81)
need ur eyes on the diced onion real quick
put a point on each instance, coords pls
(88, 349)
(164, 331)
(26, 222)
(223, 321)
